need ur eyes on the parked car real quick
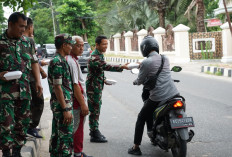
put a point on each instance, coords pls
(83, 60)
(49, 50)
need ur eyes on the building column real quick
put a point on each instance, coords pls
(128, 35)
(158, 36)
(116, 43)
(227, 43)
(141, 34)
(181, 36)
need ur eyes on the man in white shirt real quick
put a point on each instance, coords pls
(80, 107)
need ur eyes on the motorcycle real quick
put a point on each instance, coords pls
(171, 123)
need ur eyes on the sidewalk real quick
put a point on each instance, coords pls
(195, 66)
(33, 146)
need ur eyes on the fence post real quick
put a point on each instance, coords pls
(116, 43)
(181, 36)
(128, 35)
(141, 34)
(158, 36)
(227, 43)
(108, 47)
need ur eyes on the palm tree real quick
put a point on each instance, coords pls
(200, 14)
(227, 14)
(160, 6)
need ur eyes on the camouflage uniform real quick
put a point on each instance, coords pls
(61, 142)
(95, 84)
(15, 95)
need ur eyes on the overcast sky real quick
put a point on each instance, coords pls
(7, 12)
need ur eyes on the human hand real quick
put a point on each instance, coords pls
(2, 75)
(125, 66)
(43, 63)
(67, 117)
(39, 89)
(43, 74)
(84, 110)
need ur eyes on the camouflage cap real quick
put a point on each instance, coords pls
(64, 38)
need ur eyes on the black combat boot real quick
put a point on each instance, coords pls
(97, 137)
(6, 153)
(16, 152)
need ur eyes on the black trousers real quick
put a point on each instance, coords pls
(145, 116)
(37, 106)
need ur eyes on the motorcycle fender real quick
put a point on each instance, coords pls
(183, 132)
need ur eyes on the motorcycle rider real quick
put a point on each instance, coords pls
(164, 89)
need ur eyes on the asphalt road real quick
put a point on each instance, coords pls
(208, 102)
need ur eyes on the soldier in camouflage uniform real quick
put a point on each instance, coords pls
(60, 85)
(16, 54)
(94, 85)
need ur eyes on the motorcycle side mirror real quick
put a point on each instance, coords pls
(135, 71)
(176, 69)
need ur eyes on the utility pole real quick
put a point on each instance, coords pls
(53, 17)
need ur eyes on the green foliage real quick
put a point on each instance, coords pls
(126, 16)
(43, 25)
(202, 52)
(76, 18)
(41, 36)
(17, 4)
(2, 19)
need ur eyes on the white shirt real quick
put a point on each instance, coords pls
(76, 74)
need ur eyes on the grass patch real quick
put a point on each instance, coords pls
(218, 73)
(221, 65)
(123, 56)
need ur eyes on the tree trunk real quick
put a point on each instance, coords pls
(161, 18)
(161, 11)
(83, 27)
(200, 16)
(228, 17)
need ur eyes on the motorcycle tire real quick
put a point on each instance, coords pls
(179, 149)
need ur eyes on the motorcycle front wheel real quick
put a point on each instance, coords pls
(179, 149)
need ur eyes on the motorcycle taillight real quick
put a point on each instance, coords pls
(180, 116)
(178, 104)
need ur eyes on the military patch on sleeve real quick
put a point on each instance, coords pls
(35, 57)
(57, 81)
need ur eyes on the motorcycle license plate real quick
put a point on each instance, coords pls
(181, 122)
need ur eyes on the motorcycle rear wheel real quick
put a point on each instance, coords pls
(179, 149)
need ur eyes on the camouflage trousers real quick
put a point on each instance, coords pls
(14, 122)
(94, 103)
(61, 142)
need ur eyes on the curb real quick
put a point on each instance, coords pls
(227, 72)
(31, 148)
(122, 60)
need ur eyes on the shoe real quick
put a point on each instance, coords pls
(96, 136)
(16, 152)
(133, 151)
(33, 133)
(96, 133)
(6, 153)
(82, 155)
(38, 129)
(98, 139)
